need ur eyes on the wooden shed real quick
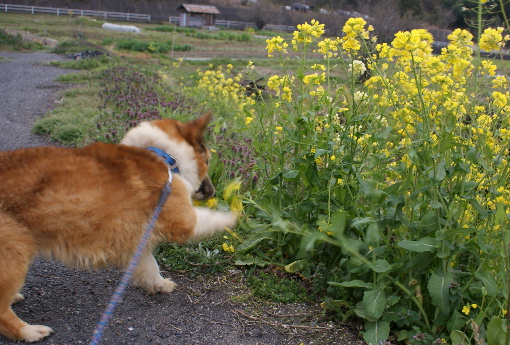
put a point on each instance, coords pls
(197, 15)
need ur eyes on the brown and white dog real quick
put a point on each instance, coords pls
(88, 207)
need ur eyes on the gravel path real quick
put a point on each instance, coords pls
(200, 311)
(27, 91)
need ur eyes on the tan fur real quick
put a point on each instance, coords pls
(88, 207)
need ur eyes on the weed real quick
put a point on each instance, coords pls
(272, 287)
(151, 47)
(73, 46)
(14, 42)
(70, 123)
(85, 64)
(195, 259)
(228, 36)
(178, 29)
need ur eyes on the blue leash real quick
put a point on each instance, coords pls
(126, 278)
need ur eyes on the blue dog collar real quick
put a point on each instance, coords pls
(169, 160)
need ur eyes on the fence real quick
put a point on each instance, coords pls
(241, 25)
(72, 12)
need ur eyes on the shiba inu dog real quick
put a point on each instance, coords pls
(88, 207)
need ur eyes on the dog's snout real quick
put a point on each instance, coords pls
(205, 191)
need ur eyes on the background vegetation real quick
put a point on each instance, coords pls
(387, 16)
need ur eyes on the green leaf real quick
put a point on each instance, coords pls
(376, 332)
(374, 302)
(353, 283)
(308, 241)
(319, 152)
(444, 249)
(439, 173)
(291, 174)
(251, 242)
(488, 281)
(457, 321)
(373, 237)
(459, 338)
(439, 290)
(295, 266)
(392, 300)
(338, 222)
(380, 266)
(362, 312)
(425, 244)
(496, 332)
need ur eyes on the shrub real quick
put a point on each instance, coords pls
(151, 47)
(397, 186)
(228, 36)
(14, 42)
(164, 28)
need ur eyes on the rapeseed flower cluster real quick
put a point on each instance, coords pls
(418, 124)
(276, 44)
(492, 39)
(306, 32)
(221, 89)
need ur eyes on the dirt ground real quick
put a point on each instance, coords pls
(205, 310)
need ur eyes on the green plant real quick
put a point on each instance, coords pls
(85, 64)
(14, 42)
(228, 36)
(166, 28)
(399, 183)
(152, 47)
(69, 46)
(276, 288)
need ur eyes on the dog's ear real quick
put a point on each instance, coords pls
(194, 130)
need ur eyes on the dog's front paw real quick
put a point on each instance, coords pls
(230, 220)
(34, 333)
(167, 286)
(18, 298)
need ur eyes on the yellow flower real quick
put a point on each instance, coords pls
(276, 44)
(319, 91)
(212, 203)
(236, 205)
(489, 68)
(305, 32)
(249, 119)
(500, 99)
(319, 66)
(355, 28)
(328, 47)
(466, 310)
(491, 39)
(314, 78)
(287, 93)
(230, 189)
(228, 248)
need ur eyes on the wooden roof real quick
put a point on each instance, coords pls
(199, 9)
